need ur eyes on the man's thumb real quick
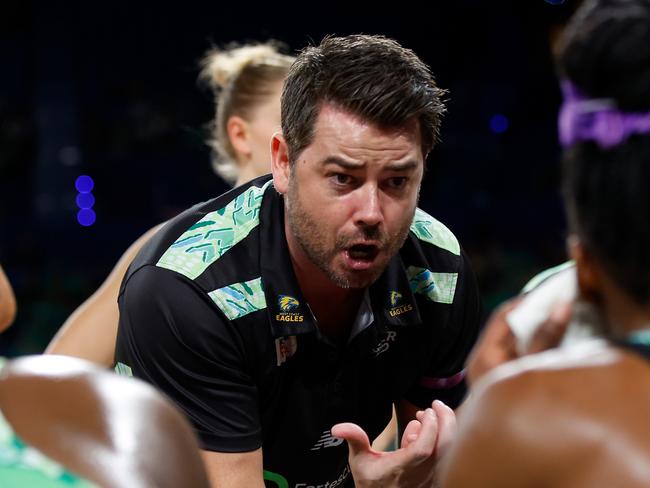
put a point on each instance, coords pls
(357, 439)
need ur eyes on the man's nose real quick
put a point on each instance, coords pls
(369, 211)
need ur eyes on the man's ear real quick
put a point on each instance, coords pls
(237, 129)
(280, 166)
(589, 272)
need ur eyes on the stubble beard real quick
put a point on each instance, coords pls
(313, 239)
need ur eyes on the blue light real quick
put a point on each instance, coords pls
(499, 123)
(84, 184)
(85, 200)
(86, 217)
(555, 2)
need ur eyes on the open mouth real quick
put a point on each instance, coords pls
(363, 252)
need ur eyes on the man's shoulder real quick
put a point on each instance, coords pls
(432, 259)
(429, 230)
(211, 251)
(197, 238)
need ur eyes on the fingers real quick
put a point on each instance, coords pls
(446, 425)
(355, 436)
(509, 305)
(411, 432)
(550, 333)
(496, 345)
(425, 442)
(431, 432)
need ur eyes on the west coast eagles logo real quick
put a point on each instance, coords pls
(287, 305)
(395, 303)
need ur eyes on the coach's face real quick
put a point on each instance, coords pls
(351, 194)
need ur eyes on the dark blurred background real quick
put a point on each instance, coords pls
(109, 89)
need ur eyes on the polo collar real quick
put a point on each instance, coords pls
(391, 299)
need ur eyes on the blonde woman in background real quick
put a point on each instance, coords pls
(247, 84)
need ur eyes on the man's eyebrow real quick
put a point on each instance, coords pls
(403, 165)
(344, 163)
(351, 165)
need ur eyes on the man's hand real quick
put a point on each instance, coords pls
(497, 344)
(413, 465)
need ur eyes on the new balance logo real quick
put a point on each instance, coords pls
(327, 440)
(384, 345)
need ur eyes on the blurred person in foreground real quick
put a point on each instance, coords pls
(7, 302)
(64, 422)
(577, 416)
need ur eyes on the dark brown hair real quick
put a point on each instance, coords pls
(372, 77)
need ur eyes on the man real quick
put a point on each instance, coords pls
(322, 296)
(61, 425)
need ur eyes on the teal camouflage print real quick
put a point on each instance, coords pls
(240, 299)
(213, 235)
(428, 229)
(437, 287)
(123, 370)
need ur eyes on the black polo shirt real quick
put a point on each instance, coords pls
(211, 313)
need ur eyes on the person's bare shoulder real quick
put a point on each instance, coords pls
(554, 418)
(111, 430)
(90, 332)
(7, 302)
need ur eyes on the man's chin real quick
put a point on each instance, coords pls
(355, 279)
